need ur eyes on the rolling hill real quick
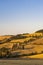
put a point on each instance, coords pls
(23, 43)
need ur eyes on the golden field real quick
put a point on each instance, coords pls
(33, 43)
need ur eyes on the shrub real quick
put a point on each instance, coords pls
(33, 53)
(4, 52)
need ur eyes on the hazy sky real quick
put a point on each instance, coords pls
(20, 16)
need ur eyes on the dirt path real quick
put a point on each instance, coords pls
(21, 62)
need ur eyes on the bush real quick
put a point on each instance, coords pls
(33, 53)
(4, 52)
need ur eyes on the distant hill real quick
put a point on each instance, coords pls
(39, 31)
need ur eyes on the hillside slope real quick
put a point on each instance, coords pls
(38, 42)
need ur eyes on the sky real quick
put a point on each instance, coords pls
(20, 16)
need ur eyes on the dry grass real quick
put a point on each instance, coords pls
(34, 46)
(7, 45)
(3, 37)
(38, 41)
(20, 40)
(37, 56)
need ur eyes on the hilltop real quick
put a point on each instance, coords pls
(39, 31)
